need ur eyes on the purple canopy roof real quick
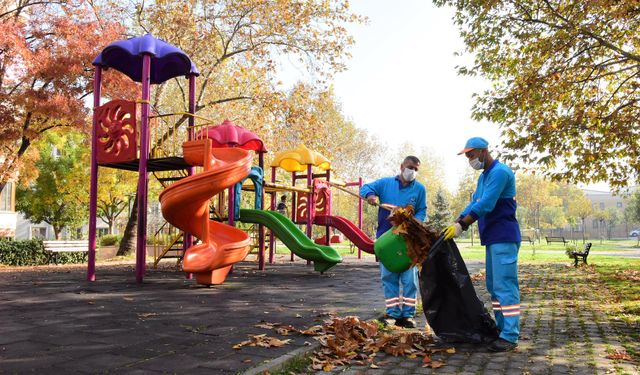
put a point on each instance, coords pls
(167, 61)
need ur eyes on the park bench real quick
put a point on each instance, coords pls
(581, 254)
(53, 248)
(556, 239)
(527, 239)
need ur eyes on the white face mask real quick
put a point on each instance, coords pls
(476, 164)
(409, 174)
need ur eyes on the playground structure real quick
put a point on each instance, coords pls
(214, 159)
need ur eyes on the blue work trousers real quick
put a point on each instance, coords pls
(400, 304)
(502, 284)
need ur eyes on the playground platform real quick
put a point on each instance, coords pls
(53, 321)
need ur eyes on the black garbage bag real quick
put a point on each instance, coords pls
(450, 303)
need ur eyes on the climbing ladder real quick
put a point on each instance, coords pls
(168, 241)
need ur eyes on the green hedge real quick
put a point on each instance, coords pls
(30, 253)
(110, 239)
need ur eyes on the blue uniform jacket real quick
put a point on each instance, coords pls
(494, 205)
(391, 191)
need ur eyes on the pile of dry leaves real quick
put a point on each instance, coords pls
(351, 341)
(417, 234)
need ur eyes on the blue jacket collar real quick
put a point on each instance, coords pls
(495, 161)
(400, 182)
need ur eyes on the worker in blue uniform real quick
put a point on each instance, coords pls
(493, 205)
(400, 190)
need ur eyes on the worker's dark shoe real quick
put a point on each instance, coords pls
(406, 322)
(387, 320)
(501, 345)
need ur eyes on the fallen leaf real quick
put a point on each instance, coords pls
(619, 355)
(327, 367)
(437, 364)
(451, 350)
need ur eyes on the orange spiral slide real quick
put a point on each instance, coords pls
(185, 205)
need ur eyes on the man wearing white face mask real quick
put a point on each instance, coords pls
(494, 206)
(400, 190)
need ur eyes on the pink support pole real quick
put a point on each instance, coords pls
(261, 227)
(328, 211)
(310, 204)
(188, 238)
(141, 248)
(231, 203)
(93, 189)
(273, 207)
(293, 206)
(359, 213)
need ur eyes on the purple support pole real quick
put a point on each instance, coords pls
(141, 248)
(93, 189)
(261, 227)
(273, 207)
(311, 206)
(188, 238)
(359, 213)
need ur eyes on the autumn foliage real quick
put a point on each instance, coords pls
(46, 52)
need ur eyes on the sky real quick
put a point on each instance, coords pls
(401, 84)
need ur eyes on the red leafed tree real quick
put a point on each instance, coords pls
(46, 50)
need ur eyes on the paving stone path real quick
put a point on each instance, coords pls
(564, 330)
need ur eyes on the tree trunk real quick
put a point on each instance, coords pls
(56, 232)
(110, 224)
(130, 235)
(583, 230)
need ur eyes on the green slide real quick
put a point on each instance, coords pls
(323, 257)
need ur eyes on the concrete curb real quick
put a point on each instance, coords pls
(279, 363)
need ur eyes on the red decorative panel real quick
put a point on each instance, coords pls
(322, 197)
(116, 132)
(301, 208)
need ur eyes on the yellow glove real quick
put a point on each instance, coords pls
(452, 231)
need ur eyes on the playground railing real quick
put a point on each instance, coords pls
(169, 131)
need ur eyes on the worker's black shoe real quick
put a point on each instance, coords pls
(406, 322)
(387, 320)
(501, 345)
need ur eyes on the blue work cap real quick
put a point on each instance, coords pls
(475, 142)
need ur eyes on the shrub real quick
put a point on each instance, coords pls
(110, 239)
(31, 253)
(22, 253)
(569, 248)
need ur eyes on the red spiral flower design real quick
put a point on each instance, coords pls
(116, 132)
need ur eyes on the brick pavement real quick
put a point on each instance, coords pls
(563, 331)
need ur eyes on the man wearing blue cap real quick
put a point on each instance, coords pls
(494, 206)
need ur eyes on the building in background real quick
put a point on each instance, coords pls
(603, 201)
(8, 217)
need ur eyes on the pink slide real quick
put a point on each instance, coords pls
(185, 204)
(349, 229)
